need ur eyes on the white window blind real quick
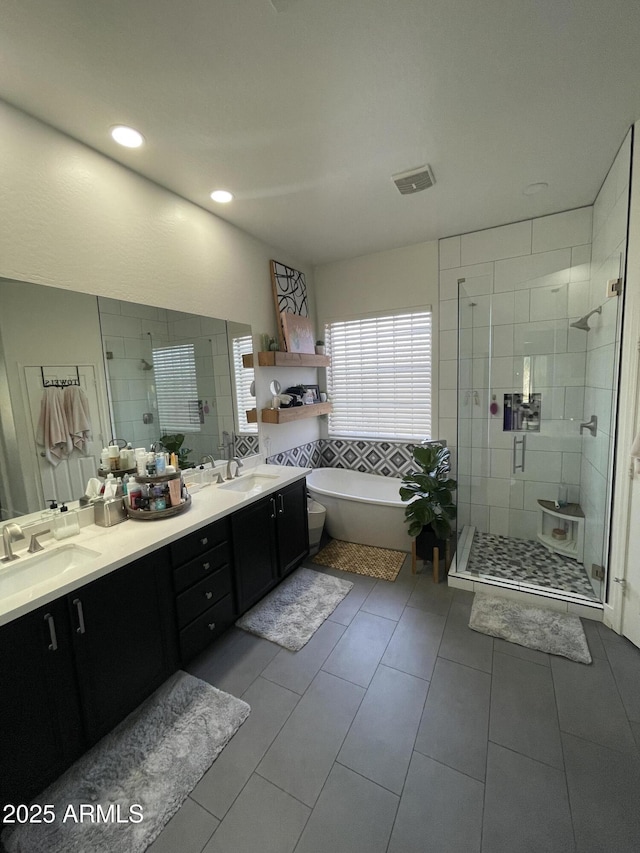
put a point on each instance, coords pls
(176, 388)
(243, 376)
(380, 376)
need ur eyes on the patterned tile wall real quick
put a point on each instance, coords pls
(386, 458)
(246, 445)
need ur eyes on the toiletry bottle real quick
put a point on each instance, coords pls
(65, 523)
(104, 459)
(563, 497)
(134, 493)
(114, 457)
(161, 464)
(141, 462)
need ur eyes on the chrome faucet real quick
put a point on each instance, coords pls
(9, 533)
(208, 458)
(238, 462)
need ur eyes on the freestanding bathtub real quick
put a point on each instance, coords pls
(362, 508)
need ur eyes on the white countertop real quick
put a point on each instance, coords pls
(132, 539)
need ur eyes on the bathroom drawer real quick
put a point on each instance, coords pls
(195, 544)
(203, 566)
(203, 595)
(197, 636)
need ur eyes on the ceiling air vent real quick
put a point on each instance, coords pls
(414, 181)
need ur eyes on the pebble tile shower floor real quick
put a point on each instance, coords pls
(527, 562)
(397, 729)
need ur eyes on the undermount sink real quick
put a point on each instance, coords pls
(253, 483)
(28, 571)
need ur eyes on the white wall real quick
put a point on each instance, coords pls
(390, 280)
(77, 220)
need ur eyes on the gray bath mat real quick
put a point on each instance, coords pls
(293, 612)
(533, 627)
(152, 760)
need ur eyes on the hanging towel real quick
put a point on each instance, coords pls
(53, 431)
(76, 409)
(635, 453)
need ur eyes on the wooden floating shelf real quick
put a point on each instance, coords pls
(252, 416)
(297, 413)
(286, 359)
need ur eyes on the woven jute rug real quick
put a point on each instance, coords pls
(361, 559)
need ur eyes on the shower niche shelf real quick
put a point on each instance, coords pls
(569, 518)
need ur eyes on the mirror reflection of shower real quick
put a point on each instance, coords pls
(582, 322)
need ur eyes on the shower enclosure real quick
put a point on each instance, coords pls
(537, 379)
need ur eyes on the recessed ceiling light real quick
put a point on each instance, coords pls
(221, 196)
(127, 136)
(532, 189)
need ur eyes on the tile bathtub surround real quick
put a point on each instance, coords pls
(450, 741)
(386, 458)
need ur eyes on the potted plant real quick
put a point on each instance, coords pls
(319, 347)
(430, 510)
(173, 444)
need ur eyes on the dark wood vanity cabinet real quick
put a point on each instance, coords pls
(270, 538)
(124, 640)
(203, 586)
(40, 718)
(70, 671)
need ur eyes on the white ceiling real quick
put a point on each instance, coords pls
(304, 114)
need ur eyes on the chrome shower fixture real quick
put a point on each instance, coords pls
(144, 364)
(582, 322)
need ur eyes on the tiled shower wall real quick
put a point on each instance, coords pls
(610, 214)
(526, 281)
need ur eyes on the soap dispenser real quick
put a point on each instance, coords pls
(65, 523)
(49, 514)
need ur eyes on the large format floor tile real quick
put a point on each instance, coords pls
(301, 757)
(440, 810)
(187, 831)
(526, 806)
(523, 709)
(380, 741)
(413, 648)
(604, 792)
(236, 661)
(352, 815)
(462, 645)
(358, 652)
(270, 706)
(263, 818)
(296, 670)
(455, 722)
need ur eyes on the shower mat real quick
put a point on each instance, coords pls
(380, 563)
(533, 627)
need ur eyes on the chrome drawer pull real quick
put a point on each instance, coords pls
(208, 595)
(204, 541)
(78, 604)
(212, 625)
(53, 646)
(206, 566)
(280, 504)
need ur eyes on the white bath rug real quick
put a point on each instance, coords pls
(533, 627)
(292, 613)
(144, 768)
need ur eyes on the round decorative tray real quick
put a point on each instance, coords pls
(160, 478)
(119, 472)
(155, 514)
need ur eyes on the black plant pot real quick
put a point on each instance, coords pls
(426, 542)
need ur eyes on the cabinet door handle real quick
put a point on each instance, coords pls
(208, 595)
(78, 604)
(206, 566)
(273, 507)
(53, 645)
(280, 504)
(212, 626)
(204, 540)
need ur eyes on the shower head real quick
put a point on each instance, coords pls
(144, 364)
(582, 322)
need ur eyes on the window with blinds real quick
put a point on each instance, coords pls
(380, 376)
(174, 369)
(243, 377)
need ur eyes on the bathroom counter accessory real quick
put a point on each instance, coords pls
(571, 519)
(155, 514)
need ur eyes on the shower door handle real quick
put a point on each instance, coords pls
(523, 444)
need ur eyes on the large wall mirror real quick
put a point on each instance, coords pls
(144, 372)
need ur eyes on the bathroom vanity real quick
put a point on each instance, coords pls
(80, 653)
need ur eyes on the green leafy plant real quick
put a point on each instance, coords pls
(173, 444)
(429, 492)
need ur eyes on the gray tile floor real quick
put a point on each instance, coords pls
(396, 728)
